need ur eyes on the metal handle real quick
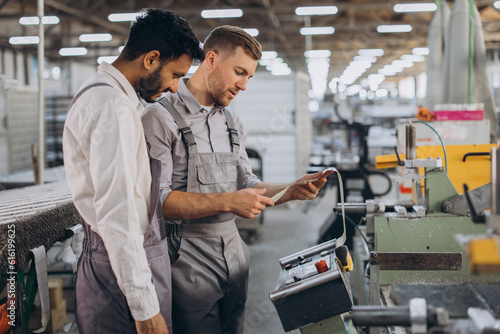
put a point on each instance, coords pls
(475, 154)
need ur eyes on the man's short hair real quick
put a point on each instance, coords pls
(165, 32)
(225, 39)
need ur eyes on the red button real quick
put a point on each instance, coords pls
(321, 266)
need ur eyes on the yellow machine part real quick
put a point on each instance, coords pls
(346, 265)
(484, 255)
(475, 171)
(388, 161)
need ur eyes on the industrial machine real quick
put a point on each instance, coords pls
(422, 318)
(484, 251)
(417, 248)
(420, 264)
(32, 220)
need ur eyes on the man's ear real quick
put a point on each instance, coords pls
(210, 59)
(151, 60)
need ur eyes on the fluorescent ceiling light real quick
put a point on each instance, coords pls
(376, 77)
(265, 62)
(371, 59)
(352, 70)
(221, 13)
(276, 66)
(124, 17)
(73, 51)
(353, 90)
(281, 71)
(269, 54)
(420, 51)
(393, 68)
(318, 60)
(361, 63)
(24, 40)
(29, 20)
(318, 76)
(120, 48)
(347, 80)
(317, 31)
(32, 20)
(371, 52)
(316, 10)
(317, 53)
(107, 59)
(497, 4)
(386, 72)
(414, 7)
(50, 20)
(389, 28)
(382, 92)
(402, 63)
(56, 73)
(356, 68)
(95, 37)
(252, 32)
(413, 58)
(318, 67)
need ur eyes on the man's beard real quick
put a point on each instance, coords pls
(217, 90)
(150, 85)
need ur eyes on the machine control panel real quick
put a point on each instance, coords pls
(311, 287)
(306, 267)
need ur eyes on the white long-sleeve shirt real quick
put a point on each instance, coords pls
(107, 167)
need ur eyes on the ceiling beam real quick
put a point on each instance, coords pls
(85, 17)
(271, 14)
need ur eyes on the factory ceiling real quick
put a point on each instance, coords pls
(278, 26)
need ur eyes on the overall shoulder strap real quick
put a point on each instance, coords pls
(187, 133)
(83, 90)
(233, 133)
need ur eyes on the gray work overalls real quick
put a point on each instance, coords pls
(101, 306)
(209, 259)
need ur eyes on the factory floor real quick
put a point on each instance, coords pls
(286, 229)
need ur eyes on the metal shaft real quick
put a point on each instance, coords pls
(41, 97)
(351, 208)
(379, 316)
(411, 142)
(495, 185)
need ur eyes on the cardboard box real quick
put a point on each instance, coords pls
(55, 293)
(57, 317)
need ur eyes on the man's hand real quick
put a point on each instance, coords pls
(249, 202)
(308, 190)
(155, 325)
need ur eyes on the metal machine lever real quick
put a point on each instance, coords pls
(475, 217)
